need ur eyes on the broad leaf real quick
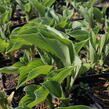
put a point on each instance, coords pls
(79, 34)
(40, 96)
(59, 77)
(55, 47)
(10, 70)
(102, 44)
(98, 15)
(17, 44)
(3, 45)
(30, 96)
(24, 71)
(79, 45)
(41, 9)
(87, 14)
(38, 71)
(91, 52)
(54, 88)
(42, 93)
(48, 3)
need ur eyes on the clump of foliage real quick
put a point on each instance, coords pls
(61, 60)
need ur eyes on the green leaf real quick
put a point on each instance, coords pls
(10, 70)
(79, 34)
(98, 15)
(18, 64)
(53, 46)
(3, 45)
(50, 40)
(27, 7)
(2, 34)
(40, 96)
(87, 14)
(25, 70)
(54, 88)
(52, 13)
(76, 24)
(59, 77)
(79, 45)
(35, 62)
(22, 107)
(76, 107)
(84, 68)
(41, 9)
(30, 96)
(68, 13)
(54, 32)
(31, 73)
(42, 93)
(17, 44)
(102, 43)
(38, 71)
(33, 96)
(5, 17)
(92, 52)
(48, 3)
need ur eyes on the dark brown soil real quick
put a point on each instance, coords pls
(17, 97)
(11, 80)
(101, 93)
(95, 92)
(42, 106)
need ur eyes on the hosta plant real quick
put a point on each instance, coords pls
(54, 49)
(60, 63)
